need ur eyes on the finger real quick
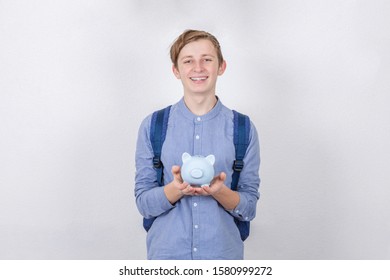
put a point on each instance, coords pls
(184, 186)
(191, 191)
(222, 176)
(188, 190)
(176, 173)
(207, 190)
(175, 169)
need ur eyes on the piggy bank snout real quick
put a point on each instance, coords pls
(196, 173)
(197, 170)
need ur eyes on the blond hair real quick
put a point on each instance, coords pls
(189, 36)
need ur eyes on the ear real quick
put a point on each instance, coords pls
(211, 159)
(175, 71)
(185, 157)
(222, 68)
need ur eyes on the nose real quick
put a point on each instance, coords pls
(198, 67)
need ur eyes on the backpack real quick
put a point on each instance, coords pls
(158, 128)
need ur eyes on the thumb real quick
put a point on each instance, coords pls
(175, 169)
(222, 176)
(176, 172)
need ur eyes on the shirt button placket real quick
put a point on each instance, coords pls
(196, 200)
(195, 230)
(198, 136)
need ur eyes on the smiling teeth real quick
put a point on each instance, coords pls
(198, 79)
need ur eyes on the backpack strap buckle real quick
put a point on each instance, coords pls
(238, 165)
(157, 162)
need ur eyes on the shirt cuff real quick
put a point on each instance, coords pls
(160, 196)
(239, 211)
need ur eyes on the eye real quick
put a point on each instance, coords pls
(187, 61)
(208, 59)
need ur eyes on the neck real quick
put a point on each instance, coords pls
(201, 104)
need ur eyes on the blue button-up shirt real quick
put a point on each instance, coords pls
(195, 227)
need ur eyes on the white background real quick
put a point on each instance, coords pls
(77, 78)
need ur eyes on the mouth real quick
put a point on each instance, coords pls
(198, 79)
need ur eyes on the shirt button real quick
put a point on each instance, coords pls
(196, 226)
(246, 218)
(195, 204)
(237, 211)
(198, 119)
(197, 137)
(195, 249)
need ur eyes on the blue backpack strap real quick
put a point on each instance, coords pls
(241, 142)
(158, 131)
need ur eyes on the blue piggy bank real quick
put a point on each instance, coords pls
(197, 170)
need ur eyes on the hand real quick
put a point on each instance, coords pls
(220, 192)
(184, 187)
(215, 186)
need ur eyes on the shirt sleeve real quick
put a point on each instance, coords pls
(249, 181)
(150, 197)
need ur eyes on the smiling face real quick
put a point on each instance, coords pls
(198, 67)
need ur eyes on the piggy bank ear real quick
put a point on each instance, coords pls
(211, 159)
(185, 157)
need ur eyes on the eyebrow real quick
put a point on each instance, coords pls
(191, 56)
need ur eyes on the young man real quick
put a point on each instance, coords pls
(196, 222)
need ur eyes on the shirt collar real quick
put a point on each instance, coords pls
(208, 116)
